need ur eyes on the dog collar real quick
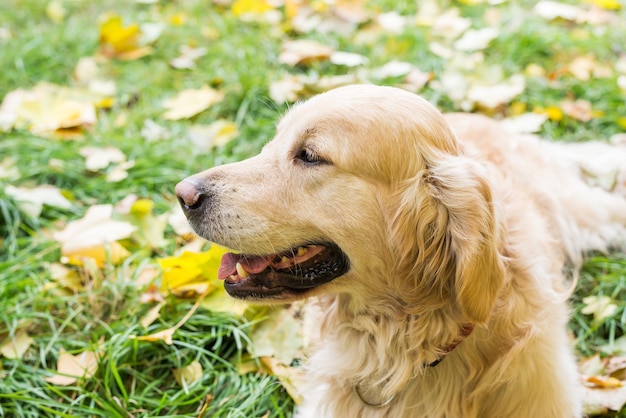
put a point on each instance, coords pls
(466, 330)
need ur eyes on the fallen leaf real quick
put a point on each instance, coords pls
(601, 401)
(95, 236)
(551, 10)
(190, 102)
(188, 375)
(119, 41)
(393, 69)
(251, 7)
(67, 278)
(579, 109)
(188, 57)
(188, 270)
(450, 25)
(55, 11)
(303, 52)
(603, 382)
(178, 221)
(14, 347)
(217, 134)
(32, 201)
(48, 108)
(348, 59)
(525, 123)
(8, 169)
(70, 368)
(292, 378)
(607, 4)
(153, 314)
(97, 158)
(601, 307)
(475, 40)
(150, 230)
(152, 131)
(492, 96)
(279, 335)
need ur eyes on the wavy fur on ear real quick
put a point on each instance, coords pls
(446, 233)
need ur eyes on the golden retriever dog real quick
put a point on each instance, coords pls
(435, 250)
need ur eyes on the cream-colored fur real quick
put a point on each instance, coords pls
(446, 221)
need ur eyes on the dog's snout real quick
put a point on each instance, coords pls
(189, 194)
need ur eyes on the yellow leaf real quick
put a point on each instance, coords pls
(67, 278)
(113, 252)
(15, 347)
(165, 336)
(190, 102)
(604, 382)
(552, 112)
(251, 7)
(71, 368)
(116, 39)
(188, 375)
(191, 269)
(217, 134)
(607, 4)
(178, 19)
(621, 121)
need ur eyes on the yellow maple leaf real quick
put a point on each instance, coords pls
(119, 41)
(195, 272)
(251, 7)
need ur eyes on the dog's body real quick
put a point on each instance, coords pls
(437, 259)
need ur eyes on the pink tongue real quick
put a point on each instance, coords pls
(252, 265)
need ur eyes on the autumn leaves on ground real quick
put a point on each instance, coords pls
(110, 306)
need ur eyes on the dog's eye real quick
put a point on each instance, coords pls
(309, 156)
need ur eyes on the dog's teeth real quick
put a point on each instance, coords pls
(233, 277)
(285, 259)
(302, 251)
(241, 271)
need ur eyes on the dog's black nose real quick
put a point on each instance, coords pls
(189, 195)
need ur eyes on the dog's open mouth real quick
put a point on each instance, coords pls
(277, 276)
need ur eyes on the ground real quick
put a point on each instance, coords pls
(113, 102)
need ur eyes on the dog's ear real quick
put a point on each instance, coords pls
(445, 232)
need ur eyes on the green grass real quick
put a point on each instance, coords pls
(135, 378)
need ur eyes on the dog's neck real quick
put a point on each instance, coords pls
(382, 351)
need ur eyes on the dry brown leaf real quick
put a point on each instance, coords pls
(70, 368)
(190, 102)
(15, 347)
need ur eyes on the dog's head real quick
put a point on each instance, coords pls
(363, 190)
